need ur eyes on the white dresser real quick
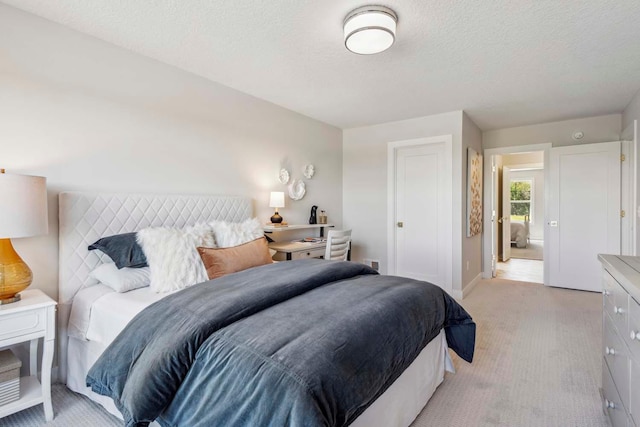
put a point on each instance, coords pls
(621, 339)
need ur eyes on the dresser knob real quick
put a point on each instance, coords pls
(618, 310)
(610, 404)
(606, 293)
(609, 351)
(635, 335)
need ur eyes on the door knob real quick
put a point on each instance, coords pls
(400, 224)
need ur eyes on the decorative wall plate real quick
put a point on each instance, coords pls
(309, 171)
(297, 189)
(283, 176)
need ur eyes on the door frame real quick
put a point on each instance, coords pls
(488, 220)
(392, 149)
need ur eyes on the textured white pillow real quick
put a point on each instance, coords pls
(230, 234)
(172, 255)
(123, 280)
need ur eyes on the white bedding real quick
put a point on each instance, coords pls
(99, 313)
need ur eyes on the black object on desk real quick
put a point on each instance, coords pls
(313, 219)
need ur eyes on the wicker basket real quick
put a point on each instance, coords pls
(9, 377)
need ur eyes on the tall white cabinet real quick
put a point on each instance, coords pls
(621, 339)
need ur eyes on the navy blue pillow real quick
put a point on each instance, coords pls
(123, 249)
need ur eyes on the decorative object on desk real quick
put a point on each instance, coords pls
(474, 192)
(276, 201)
(23, 214)
(309, 171)
(283, 176)
(297, 189)
(322, 219)
(313, 219)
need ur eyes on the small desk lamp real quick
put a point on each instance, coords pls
(23, 214)
(277, 201)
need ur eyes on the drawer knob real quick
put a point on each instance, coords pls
(635, 335)
(609, 404)
(609, 351)
(606, 293)
(618, 310)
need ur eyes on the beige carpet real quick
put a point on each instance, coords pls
(537, 364)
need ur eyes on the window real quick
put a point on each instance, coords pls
(521, 203)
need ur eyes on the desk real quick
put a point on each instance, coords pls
(288, 251)
(277, 228)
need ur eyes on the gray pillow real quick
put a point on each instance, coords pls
(123, 249)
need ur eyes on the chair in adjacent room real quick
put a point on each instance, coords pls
(338, 245)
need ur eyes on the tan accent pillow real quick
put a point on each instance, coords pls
(222, 261)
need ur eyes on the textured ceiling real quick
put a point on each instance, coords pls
(505, 62)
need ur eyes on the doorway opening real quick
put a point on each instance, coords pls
(519, 200)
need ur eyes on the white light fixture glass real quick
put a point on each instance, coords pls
(276, 201)
(370, 29)
(23, 214)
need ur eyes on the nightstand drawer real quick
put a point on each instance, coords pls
(311, 253)
(22, 323)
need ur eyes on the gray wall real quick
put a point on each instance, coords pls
(92, 116)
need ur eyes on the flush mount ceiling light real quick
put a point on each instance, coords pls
(370, 29)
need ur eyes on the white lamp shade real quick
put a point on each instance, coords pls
(277, 199)
(370, 29)
(24, 206)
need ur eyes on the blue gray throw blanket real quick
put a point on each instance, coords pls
(299, 343)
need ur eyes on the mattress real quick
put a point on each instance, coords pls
(106, 313)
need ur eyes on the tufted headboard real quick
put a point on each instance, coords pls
(85, 217)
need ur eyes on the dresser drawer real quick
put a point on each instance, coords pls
(311, 253)
(633, 333)
(22, 323)
(617, 307)
(634, 392)
(616, 356)
(608, 292)
(612, 403)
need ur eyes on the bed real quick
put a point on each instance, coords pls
(520, 232)
(99, 315)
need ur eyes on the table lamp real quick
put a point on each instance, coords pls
(23, 214)
(277, 201)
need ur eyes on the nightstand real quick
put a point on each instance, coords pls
(31, 318)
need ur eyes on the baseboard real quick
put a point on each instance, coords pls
(461, 294)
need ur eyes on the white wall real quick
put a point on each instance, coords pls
(596, 129)
(365, 184)
(536, 227)
(632, 111)
(92, 116)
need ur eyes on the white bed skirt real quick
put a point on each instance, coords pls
(397, 407)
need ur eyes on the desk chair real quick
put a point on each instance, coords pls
(338, 245)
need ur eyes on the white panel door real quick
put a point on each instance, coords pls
(584, 213)
(506, 214)
(421, 231)
(495, 208)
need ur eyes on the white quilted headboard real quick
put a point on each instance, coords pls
(86, 217)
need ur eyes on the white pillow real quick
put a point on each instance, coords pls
(172, 255)
(123, 280)
(230, 234)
